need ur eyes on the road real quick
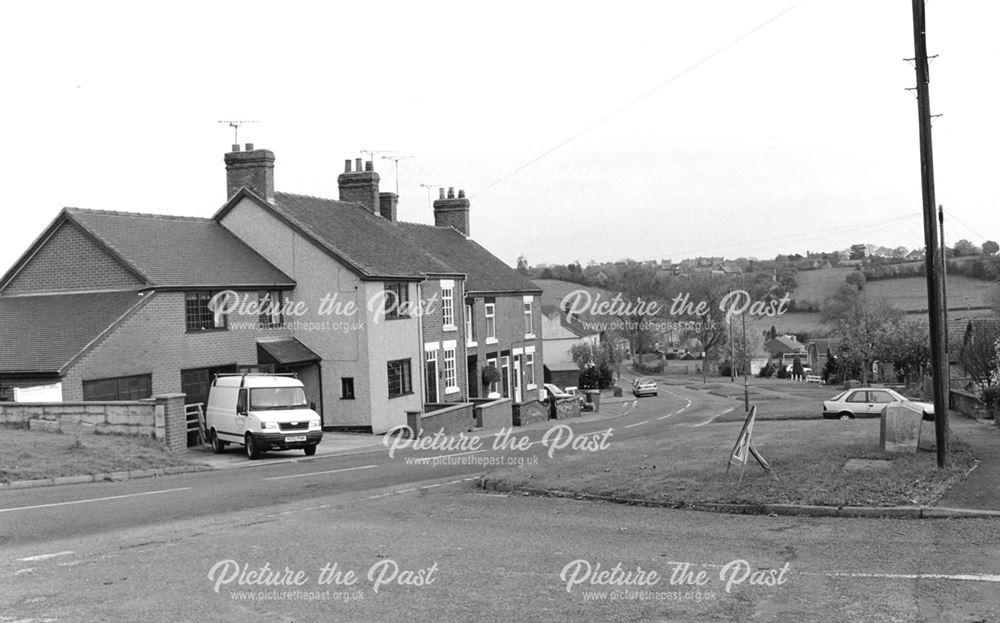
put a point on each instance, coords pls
(391, 541)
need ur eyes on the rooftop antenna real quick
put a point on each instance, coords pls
(396, 159)
(374, 152)
(235, 125)
(429, 187)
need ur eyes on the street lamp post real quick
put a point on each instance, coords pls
(746, 353)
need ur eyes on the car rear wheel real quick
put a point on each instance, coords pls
(846, 415)
(253, 452)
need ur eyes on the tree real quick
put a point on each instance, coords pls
(979, 354)
(522, 265)
(864, 331)
(964, 248)
(858, 252)
(857, 279)
(907, 345)
(841, 303)
(990, 247)
(993, 298)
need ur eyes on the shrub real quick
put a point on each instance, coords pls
(589, 378)
(725, 369)
(991, 398)
(767, 371)
(782, 372)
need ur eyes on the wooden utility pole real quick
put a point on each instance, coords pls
(935, 283)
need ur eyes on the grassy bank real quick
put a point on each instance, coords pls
(30, 455)
(809, 457)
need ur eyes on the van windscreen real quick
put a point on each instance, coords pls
(263, 398)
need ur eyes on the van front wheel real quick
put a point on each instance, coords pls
(253, 452)
(310, 450)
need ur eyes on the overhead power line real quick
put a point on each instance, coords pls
(635, 101)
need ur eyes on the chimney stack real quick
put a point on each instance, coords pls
(252, 169)
(387, 205)
(451, 211)
(360, 185)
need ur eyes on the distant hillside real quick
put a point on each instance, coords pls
(553, 291)
(907, 293)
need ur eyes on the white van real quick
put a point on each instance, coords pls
(261, 412)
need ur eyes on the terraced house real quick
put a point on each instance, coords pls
(379, 318)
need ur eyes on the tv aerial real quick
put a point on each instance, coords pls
(236, 125)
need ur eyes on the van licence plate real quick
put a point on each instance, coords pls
(295, 438)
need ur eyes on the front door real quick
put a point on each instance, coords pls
(517, 378)
(431, 372)
(505, 376)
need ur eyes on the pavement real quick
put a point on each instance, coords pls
(980, 490)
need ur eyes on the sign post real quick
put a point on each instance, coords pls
(744, 447)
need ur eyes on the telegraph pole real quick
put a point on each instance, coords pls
(935, 283)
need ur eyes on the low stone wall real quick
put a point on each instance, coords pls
(493, 414)
(450, 418)
(161, 417)
(966, 403)
(530, 412)
(565, 408)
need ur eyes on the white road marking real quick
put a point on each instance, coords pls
(406, 491)
(714, 417)
(380, 495)
(45, 556)
(962, 577)
(430, 486)
(638, 424)
(111, 497)
(331, 471)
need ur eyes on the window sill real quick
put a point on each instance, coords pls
(531, 387)
(529, 336)
(449, 327)
(400, 317)
(471, 344)
(391, 396)
(492, 340)
(451, 390)
(208, 330)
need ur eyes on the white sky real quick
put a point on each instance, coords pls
(801, 136)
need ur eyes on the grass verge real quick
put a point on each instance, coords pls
(29, 455)
(807, 456)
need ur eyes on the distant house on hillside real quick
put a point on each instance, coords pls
(785, 348)
(820, 351)
(559, 335)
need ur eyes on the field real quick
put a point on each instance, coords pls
(908, 293)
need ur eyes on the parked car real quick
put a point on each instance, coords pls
(261, 412)
(868, 402)
(644, 387)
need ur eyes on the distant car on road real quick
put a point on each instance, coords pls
(644, 387)
(868, 402)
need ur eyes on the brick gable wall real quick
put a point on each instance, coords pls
(433, 332)
(70, 260)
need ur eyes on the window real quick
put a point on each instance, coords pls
(448, 305)
(491, 362)
(269, 304)
(347, 388)
(529, 370)
(470, 327)
(880, 397)
(859, 396)
(431, 373)
(397, 299)
(505, 376)
(450, 372)
(491, 323)
(529, 329)
(199, 314)
(399, 378)
(120, 388)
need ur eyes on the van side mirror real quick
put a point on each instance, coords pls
(312, 405)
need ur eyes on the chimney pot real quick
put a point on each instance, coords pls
(249, 146)
(461, 194)
(451, 192)
(369, 166)
(441, 193)
(236, 147)
(357, 164)
(347, 165)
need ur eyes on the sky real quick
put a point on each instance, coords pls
(580, 130)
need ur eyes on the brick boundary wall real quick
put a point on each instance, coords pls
(450, 418)
(526, 413)
(493, 414)
(161, 417)
(565, 408)
(966, 403)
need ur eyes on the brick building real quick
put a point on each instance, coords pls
(378, 317)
